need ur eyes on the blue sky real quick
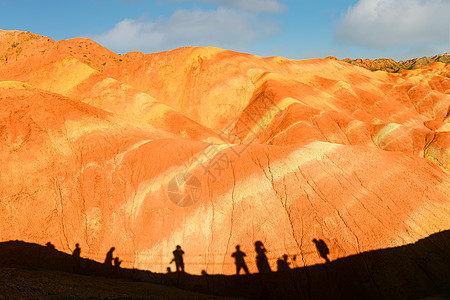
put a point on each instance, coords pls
(297, 29)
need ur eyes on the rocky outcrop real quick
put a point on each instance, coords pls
(390, 65)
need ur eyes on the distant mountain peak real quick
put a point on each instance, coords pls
(390, 65)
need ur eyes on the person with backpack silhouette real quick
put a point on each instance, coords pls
(322, 248)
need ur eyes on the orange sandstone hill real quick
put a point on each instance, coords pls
(207, 149)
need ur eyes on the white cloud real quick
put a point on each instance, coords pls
(392, 23)
(224, 28)
(268, 6)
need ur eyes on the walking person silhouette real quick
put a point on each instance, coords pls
(178, 259)
(239, 260)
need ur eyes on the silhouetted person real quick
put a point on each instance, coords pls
(239, 260)
(50, 246)
(117, 262)
(282, 264)
(76, 252)
(76, 258)
(322, 248)
(109, 257)
(178, 259)
(261, 259)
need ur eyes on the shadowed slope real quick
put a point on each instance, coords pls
(411, 271)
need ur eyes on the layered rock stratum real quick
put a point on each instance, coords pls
(207, 148)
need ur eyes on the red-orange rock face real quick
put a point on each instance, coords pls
(207, 149)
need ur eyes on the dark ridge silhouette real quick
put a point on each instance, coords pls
(413, 271)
